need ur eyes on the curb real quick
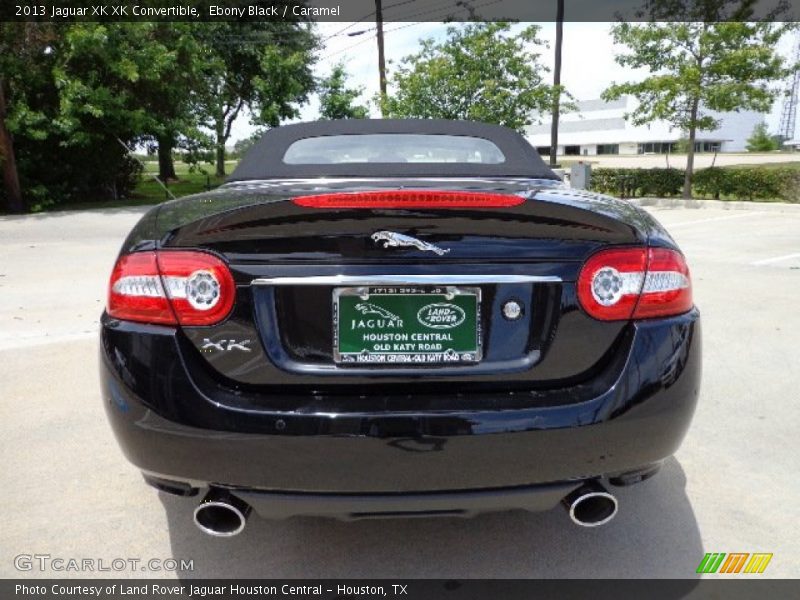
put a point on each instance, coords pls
(724, 204)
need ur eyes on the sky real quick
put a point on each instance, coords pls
(588, 65)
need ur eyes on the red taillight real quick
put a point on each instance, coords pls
(135, 292)
(409, 199)
(171, 287)
(668, 286)
(635, 283)
(610, 282)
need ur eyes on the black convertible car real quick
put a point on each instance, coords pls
(398, 318)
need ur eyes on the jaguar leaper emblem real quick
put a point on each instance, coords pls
(385, 319)
(368, 308)
(391, 239)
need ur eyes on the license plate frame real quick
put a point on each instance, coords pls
(428, 310)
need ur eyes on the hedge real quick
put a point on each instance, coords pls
(630, 183)
(749, 183)
(729, 183)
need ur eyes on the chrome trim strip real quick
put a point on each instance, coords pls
(376, 280)
(328, 180)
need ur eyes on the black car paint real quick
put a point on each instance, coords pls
(576, 410)
(259, 233)
(255, 403)
(176, 422)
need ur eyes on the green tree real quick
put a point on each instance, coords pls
(682, 145)
(480, 72)
(73, 92)
(760, 140)
(264, 67)
(125, 82)
(24, 65)
(242, 146)
(336, 100)
(699, 65)
(168, 99)
(133, 80)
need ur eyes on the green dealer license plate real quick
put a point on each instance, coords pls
(402, 325)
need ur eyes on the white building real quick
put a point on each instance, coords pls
(600, 127)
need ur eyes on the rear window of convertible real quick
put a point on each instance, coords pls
(392, 148)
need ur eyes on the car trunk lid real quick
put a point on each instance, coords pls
(290, 258)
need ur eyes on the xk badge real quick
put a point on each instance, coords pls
(225, 345)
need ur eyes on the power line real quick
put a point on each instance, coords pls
(372, 37)
(408, 16)
(435, 6)
(442, 8)
(439, 8)
(346, 48)
(396, 4)
(371, 14)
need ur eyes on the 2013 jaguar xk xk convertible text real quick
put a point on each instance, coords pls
(398, 318)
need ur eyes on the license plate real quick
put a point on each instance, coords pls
(413, 326)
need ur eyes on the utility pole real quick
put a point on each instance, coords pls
(381, 59)
(792, 100)
(556, 83)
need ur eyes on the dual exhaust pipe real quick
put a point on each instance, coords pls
(222, 514)
(591, 505)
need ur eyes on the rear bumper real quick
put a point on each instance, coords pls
(279, 505)
(305, 460)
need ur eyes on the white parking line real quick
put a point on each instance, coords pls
(709, 220)
(774, 259)
(10, 342)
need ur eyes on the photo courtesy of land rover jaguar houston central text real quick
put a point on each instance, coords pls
(392, 318)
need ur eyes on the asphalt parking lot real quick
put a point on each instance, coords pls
(732, 487)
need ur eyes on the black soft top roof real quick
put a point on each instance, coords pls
(265, 159)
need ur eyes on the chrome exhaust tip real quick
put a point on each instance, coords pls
(591, 505)
(221, 514)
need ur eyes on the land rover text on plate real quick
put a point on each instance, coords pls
(398, 318)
